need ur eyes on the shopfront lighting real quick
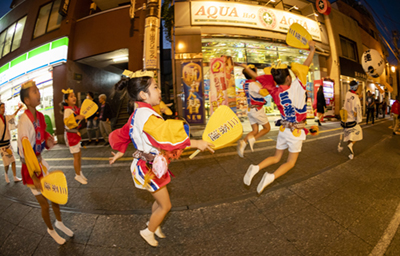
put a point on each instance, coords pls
(293, 7)
(316, 15)
(181, 46)
(121, 58)
(393, 69)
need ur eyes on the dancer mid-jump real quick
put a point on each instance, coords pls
(290, 100)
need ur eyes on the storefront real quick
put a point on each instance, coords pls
(259, 53)
(232, 33)
(36, 65)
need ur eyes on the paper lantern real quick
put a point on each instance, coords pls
(372, 63)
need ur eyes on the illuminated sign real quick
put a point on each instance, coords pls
(253, 16)
(49, 54)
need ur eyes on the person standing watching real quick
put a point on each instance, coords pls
(93, 121)
(105, 115)
(321, 104)
(370, 106)
(7, 123)
(395, 112)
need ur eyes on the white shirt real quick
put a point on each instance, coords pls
(10, 119)
(353, 105)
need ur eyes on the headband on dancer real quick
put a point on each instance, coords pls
(354, 85)
(28, 84)
(139, 73)
(68, 91)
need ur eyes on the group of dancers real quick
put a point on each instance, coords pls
(158, 141)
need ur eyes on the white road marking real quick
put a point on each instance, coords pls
(387, 237)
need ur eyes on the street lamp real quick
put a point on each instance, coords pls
(393, 69)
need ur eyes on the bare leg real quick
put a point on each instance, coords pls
(56, 210)
(284, 168)
(253, 133)
(254, 169)
(14, 169)
(265, 130)
(77, 163)
(6, 173)
(272, 159)
(161, 209)
(44, 205)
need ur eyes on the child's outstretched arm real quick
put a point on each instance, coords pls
(310, 57)
(247, 70)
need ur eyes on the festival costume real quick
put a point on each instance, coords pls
(151, 135)
(35, 133)
(352, 129)
(255, 100)
(71, 134)
(291, 104)
(395, 111)
(7, 123)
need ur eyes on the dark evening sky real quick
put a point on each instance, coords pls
(386, 13)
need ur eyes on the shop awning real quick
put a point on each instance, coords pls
(388, 87)
(351, 68)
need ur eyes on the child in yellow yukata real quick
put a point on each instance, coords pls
(72, 136)
(32, 133)
(290, 100)
(157, 141)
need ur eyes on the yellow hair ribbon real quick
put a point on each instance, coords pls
(139, 73)
(28, 84)
(68, 91)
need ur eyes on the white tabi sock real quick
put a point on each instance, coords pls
(60, 225)
(267, 179)
(253, 170)
(148, 236)
(83, 176)
(55, 236)
(158, 231)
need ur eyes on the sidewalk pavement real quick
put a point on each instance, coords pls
(326, 205)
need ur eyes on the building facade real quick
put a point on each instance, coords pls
(63, 44)
(254, 33)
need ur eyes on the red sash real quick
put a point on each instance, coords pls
(72, 137)
(40, 143)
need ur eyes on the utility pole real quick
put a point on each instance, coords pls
(151, 51)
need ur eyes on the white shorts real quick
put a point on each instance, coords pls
(7, 155)
(257, 116)
(286, 139)
(75, 149)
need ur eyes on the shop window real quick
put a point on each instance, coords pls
(10, 38)
(349, 48)
(48, 19)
